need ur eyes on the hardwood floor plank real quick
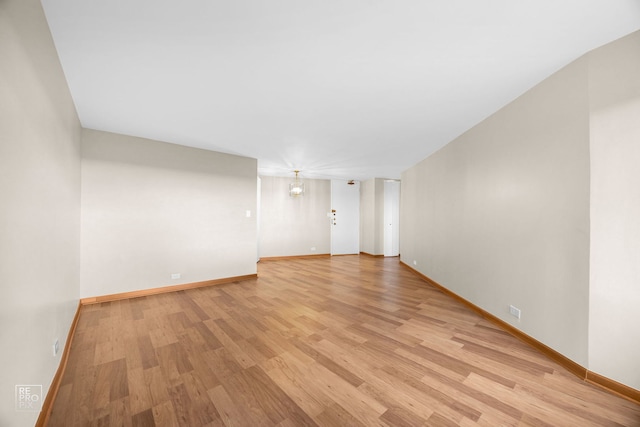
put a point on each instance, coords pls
(328, 363)
(342, 341)
(358, 404)
(139, 395)
(143, 419)
(459, 366)
(164, 414)
(229, 344)
(587, 398)
(336, 415)
(398, 416)
(307, 402)
(182, 405)
(203, 411)
(147, 352)
(157, 385)
(222, 363)
(437, 420)
(295, 369)
(276, 403)
(231, 414)
(504, 358)
(416, 396)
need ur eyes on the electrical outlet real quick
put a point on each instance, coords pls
(175, 275)
(313, 248)
(56, 347)
(415, 262)
(515, 312)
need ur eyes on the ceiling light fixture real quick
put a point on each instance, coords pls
(296, 188)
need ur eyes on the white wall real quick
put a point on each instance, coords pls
(39, 205)
(614, 324)
(150, 209)
(291, 226)
(501, 214)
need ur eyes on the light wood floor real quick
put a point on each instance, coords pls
(342, 341)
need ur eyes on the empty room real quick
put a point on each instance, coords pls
(286, 213)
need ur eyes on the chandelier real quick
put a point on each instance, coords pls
(296, 188)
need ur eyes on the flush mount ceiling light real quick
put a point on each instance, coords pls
(296, 188)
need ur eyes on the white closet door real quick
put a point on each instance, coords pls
(391, 218)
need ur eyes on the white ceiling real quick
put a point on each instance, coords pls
(349, 89)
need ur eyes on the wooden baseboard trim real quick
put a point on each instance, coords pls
(573, 367)
(164, 289)
(291, 257)
(47, 403)
(614, 387)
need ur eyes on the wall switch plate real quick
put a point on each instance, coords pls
(248, 214)
(515, 312)
(175, 275)
(56, 347)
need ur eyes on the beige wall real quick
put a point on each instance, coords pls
(538, 206)
(150, 209)
(614, 323)
(293, 226)
(372, 216)
(39, 205)
(501, 214)
(367, 216)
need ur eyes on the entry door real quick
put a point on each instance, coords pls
(391, 218)
(345, 214)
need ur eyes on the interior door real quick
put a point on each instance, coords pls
(345, 217)
(391, 218)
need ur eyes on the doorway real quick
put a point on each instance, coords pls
(345, 217)
(391, 218)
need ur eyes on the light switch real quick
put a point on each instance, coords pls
(248, 214)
